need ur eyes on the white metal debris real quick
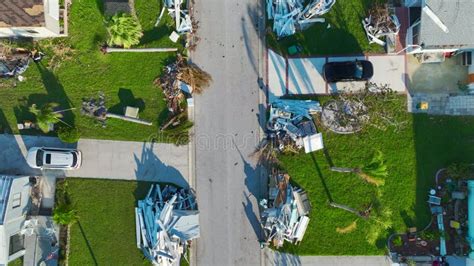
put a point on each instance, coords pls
(291, 122)
(166, 221)
(284, 215)
(290, 15)
(181, 16)
(380, 24)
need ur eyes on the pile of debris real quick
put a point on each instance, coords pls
(284, 215)
(289, 15)
(179, 81)
(173, 88)
(13, 62)
(95, 108)
(344, 116)
(291, 124)
(166, 222)
(380, 25)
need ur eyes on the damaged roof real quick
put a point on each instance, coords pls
(457, 16)
(21, 13)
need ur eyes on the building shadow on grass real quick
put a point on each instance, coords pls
(150, 168)
(127, 98)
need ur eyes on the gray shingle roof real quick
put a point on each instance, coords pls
(457, 15)
(21, 13)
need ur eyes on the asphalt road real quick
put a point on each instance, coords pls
(227, 132)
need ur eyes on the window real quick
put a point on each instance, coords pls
(32, 31)
(16, 200)
(17, 243)
(416, 34)
(39, 158)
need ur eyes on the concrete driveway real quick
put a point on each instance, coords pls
(303, 76)
(121, 160)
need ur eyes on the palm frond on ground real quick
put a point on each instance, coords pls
(196, 77)
(373, 172)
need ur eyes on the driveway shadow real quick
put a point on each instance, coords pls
(12, 160)
(151, 168)
(252, 182)
(282, 259)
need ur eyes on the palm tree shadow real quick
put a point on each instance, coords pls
(56, 92)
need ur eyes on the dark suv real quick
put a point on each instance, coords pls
(358, 70)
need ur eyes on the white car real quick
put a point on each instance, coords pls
(54, 158)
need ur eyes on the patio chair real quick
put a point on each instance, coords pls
(434, 200)
(412, 234)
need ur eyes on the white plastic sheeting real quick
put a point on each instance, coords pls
(289, 15)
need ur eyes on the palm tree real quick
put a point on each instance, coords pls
(124, 30)
(64, 214)
(372, 173)
(46, 115)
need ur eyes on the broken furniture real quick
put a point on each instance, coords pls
(291, 123)
(167, 220)
(284, 216)
(290, 15)
(434, 200)
(412, 234)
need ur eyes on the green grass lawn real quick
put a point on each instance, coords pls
(413, 156)
(125, 78)
(105, 233)
(345, 36)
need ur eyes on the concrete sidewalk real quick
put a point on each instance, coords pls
(123, 160)
(273, 258)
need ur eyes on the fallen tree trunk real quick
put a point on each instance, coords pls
(130, 119)
(140, 50)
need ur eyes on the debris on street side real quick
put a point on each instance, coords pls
(181, 16)
(166, 222)
(284, 216)
(179, 81)
(290, 15)
(381, 26)
(291, 125)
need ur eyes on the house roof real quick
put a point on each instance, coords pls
(21, 13)
(457, 16)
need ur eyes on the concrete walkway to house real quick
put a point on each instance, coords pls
(122, 160)
(273, 258)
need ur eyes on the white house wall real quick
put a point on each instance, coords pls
(14, 217)
(38, 32)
